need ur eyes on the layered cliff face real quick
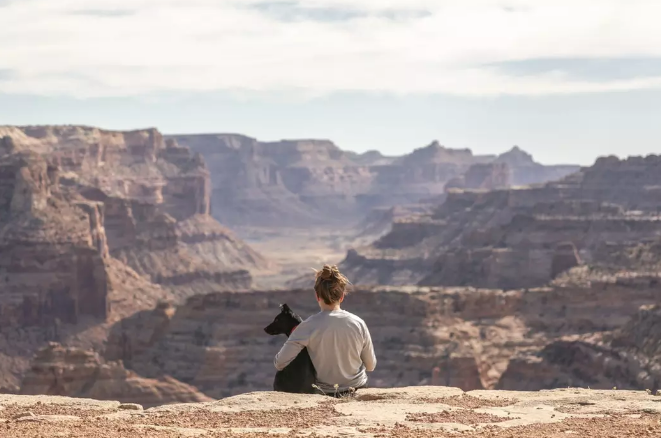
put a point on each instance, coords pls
(289, 182)
(57, 278)
(525, 171)
(313, 182)
(53, 249)
(486, 176)
(73, 372)
(524, 237)
(216, 342)
(627, 358)
(152, 201)
(97, 225)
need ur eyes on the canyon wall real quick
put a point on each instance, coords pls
(525, 236)
(627, 357)
(525, 171)
(53, 249)
(148, 202)
(96, 225)
(313, 182)
(79, 373)
(216, 342)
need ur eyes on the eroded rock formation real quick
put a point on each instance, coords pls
(486, 176)
(524, 237)
(97, 225)
(629, 357)
(216, 343)
(147, 199)
(308, 182)
(73, 372)
(53, 248)
(525, 171)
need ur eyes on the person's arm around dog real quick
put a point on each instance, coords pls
(298, 340)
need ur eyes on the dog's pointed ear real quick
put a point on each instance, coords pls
(285, 307)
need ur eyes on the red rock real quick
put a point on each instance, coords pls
(72, 372)
(97, 225)
(522, 237)
(313, 182)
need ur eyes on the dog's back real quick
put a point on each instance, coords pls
(299, 376)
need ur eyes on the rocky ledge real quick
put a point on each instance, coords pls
(403, 412)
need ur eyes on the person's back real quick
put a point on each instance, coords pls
(338, 342)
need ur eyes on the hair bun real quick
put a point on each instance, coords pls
(329, 272)
(330, 284)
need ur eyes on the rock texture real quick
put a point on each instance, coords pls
(404, 412)
(605, 216)
(313, 182)
(147, 199)
(73, 372)
(151, 199)
(483, 176)
(525, 171)
(53, 248)
(96, 225)
(215, 342)
(628, 357)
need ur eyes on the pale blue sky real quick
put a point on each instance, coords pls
(556, 129)
(567, 80)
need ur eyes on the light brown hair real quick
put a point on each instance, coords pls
(330, 285)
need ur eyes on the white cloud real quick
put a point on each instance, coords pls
(131, 47)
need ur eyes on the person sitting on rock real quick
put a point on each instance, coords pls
(339, 343)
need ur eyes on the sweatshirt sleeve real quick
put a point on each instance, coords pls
(367, 355)
(297, 341)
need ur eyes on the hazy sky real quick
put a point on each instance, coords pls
(566, 80)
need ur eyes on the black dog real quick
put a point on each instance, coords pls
(299, 376)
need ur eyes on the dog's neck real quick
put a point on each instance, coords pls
(292, 330)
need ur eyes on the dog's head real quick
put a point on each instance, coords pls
(284, 323)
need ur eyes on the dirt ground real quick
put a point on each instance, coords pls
(388, 413)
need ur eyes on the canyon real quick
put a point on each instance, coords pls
(142, 268)
(130, 196)
(310, 183)
(96, 225)
(604, 216)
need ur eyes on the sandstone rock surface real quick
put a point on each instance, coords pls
(525, 171)
(216, 342)
(483, 176)
(402, 412)
(74, 372)
(629, 356)
(53, 250)
(147, 201)
(605, 216)
(96, 225)
(313, 182)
